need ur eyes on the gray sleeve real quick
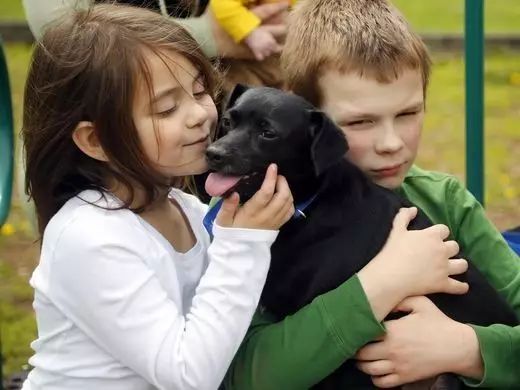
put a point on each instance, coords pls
(40, 13)
(200, 29)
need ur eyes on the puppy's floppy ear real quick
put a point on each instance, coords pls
(235, 94)
(329, 144)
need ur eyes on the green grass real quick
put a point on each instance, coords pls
(11, 10)
(500, 16)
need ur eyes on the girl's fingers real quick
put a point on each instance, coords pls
(266, 191)
(282, 196)
(286, 213)
(227, 212)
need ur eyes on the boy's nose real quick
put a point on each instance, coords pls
(388, 140)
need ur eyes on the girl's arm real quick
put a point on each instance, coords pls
(100, 278)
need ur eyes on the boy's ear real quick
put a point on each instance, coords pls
(329, 144)
(235, 94)
(86, 139)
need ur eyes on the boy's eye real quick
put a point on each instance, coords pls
(360, 122)
(409, 113)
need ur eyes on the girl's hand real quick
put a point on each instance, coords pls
(268, 209)
(412, 262)
(421, 345)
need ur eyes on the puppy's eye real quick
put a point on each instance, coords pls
(263, 124)
(267, 134)
(225, 123)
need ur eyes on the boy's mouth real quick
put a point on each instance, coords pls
(388, 171)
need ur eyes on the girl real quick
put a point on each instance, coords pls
(129, 292)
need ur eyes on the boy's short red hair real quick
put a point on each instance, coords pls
(369, 37)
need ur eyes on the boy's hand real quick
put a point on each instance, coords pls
(419, 260)
(262, 41)
(412, 262)
(421, 345)
(268, 209)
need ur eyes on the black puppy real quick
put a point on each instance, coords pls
(347, 217)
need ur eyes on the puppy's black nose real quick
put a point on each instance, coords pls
(215, 154)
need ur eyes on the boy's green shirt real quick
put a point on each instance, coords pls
(306, 347)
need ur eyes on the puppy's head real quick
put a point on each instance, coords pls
(265, 125)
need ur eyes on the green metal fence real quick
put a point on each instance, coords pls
(474, 56)
(6, 156)
(6, 140)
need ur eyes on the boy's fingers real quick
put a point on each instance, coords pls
(455, 287)
(404, 217)
(457, 266)
(227, 212)
(412, 304)
(452, 247)
(386, 381)
(442, 230)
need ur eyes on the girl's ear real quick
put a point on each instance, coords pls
(86, 139)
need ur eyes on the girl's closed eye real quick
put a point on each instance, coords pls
(199, 88)
(165, 106)
(167, 111)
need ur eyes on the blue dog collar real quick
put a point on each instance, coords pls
(211, 215)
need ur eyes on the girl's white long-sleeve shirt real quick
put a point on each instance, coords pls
(119, 309)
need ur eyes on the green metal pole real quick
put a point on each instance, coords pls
(474, 54)
(6, 140)
(6, 157)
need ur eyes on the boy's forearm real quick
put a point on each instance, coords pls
(381, 292)
(500, 352)
(306, 347)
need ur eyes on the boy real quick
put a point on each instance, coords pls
(359, 61)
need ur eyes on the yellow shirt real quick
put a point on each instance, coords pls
(235, 17)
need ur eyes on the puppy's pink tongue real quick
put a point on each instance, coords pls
(217, 184)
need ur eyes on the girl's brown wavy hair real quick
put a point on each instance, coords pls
(86, 68)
